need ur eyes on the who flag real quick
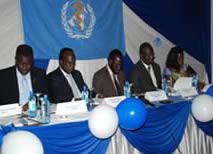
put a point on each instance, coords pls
(92, 28)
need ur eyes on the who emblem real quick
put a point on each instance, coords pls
(78, 19)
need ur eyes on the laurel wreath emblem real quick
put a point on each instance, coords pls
(69, 30)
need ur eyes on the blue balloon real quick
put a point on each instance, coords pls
(210, 91)
(131, 113)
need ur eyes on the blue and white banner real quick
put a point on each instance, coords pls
(92, 28)
(161, 23)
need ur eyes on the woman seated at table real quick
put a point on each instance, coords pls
(175, 66)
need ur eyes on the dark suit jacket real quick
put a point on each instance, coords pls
(59, 88)
(141, 79)
(102, 82)
(9, 91)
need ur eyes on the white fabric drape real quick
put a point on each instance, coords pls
(10, 31)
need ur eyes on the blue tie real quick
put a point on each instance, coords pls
(25, 90)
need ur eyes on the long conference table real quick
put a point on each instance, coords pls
(169, 128)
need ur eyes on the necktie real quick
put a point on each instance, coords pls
(25, 90)
(152, 75)
(74, 87)
(149, 70)
(117, 85)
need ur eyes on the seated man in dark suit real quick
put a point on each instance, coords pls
(109, 80)
(18, 81)
(65, 82)
(145, 74)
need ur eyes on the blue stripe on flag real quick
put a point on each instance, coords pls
(41, 63)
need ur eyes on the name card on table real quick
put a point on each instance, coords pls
(113, 101)
(154, 96)
(188, 92)
(73, 107)
(10, 110)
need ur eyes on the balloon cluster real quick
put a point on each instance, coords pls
(21, 142)
(202, 106)
(130, 114)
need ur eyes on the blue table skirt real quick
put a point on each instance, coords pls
(161, 133)
(65, 138)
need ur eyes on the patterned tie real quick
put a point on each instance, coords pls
(117, 85)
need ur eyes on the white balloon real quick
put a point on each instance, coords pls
(21, 142)
(103, 121)
(202, 108)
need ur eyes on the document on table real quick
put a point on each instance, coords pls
(10, 110)
(183, 83)
(154, 96)
(183, 86)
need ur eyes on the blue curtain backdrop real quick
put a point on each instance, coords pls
(184, 22)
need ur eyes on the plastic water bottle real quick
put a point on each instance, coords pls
(85, 97)
(165, 85)
(32, 106)
(43, 110)
(195, 81)
(38, 104)
(47, 108)
(127, 89)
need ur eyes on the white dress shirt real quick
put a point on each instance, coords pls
(72, 83)
(112, 78)
(24, 86)
(152, 73)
